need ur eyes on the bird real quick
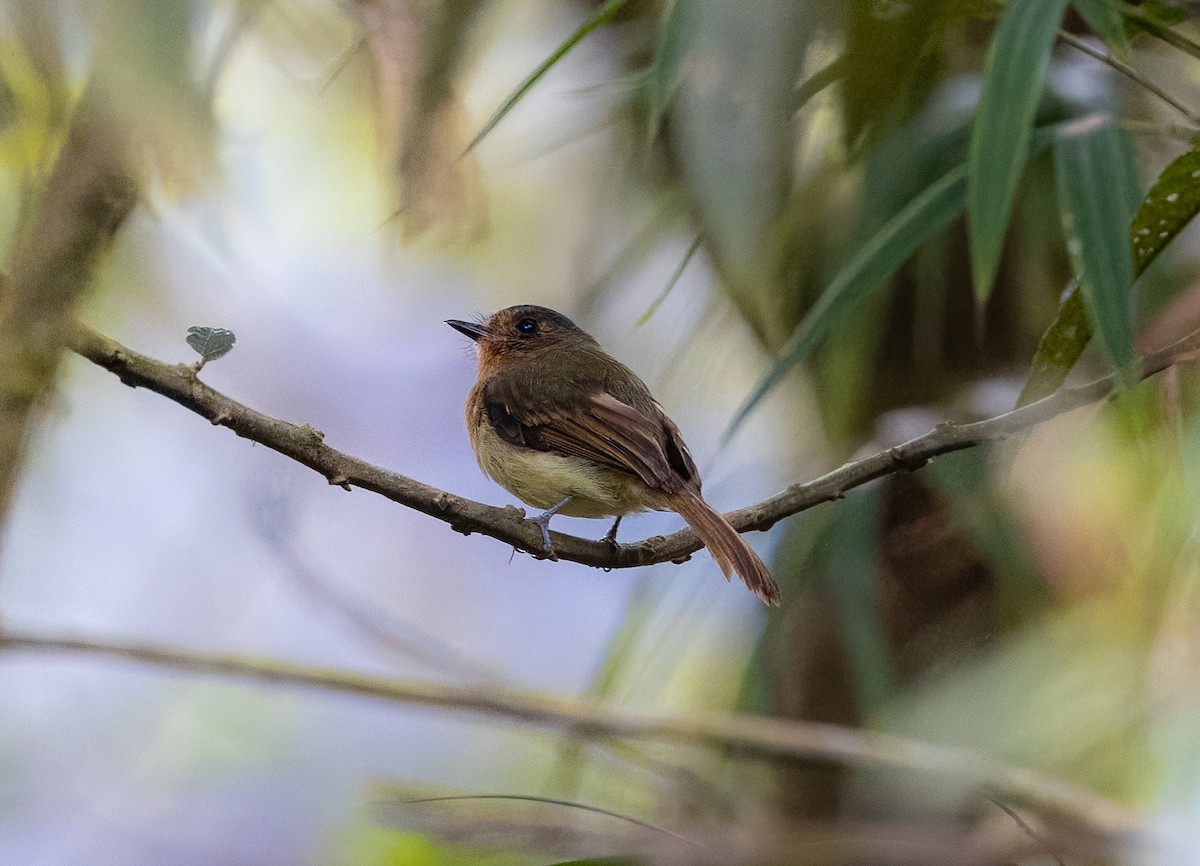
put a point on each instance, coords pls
(567, 428)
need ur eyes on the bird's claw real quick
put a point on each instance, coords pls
(610, 537)
(543, 523)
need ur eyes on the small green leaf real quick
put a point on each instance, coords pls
(1060, 347)
(210, 343)
(1172, 202)
(1098, 193)
(1104, 16)
(1014, 74)
(607, 12)
(921, 219)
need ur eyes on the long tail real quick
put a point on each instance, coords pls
(729, 549)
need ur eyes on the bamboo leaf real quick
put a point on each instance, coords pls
(924, 217)
(607, 12)
(874, 263)
(1105, 17)
(1098, 193)
(675, 276)
(833, 72)
(1173, 201)
(1060, 347)
(669, 53)
(1014, 74)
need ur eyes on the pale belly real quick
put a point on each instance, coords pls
(542, 479)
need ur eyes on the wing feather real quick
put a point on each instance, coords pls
(601, 428)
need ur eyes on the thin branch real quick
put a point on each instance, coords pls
(1063, 807)
(553, 801)
(306, 445)
(1128, 71)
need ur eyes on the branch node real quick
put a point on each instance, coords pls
(220, 418)
(313, 433)
(339, 481)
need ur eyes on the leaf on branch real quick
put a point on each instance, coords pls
(210, 343)
(1098, 194)
(1014, 74)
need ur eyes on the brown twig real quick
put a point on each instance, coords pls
(306, 445)
(1065, 809)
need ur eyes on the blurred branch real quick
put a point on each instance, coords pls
(85, 199)
(1068, 811)
(306, 445)
(1128, 71)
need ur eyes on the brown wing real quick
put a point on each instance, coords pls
(599, 427)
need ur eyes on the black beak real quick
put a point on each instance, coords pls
(472, 330)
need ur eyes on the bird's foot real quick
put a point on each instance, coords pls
(543, 523)
(610, 537)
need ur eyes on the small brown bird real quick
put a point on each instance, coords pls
(568, 428)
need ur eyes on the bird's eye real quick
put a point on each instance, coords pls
(527, 326)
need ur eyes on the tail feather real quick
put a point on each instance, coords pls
(727, 547)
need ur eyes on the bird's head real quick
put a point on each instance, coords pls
(521, 332)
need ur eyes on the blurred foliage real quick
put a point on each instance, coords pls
(912, 206)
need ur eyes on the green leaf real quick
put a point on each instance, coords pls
(210, 343)
(607, 12)
(893, 54)
(921, 219)
(1173, 201)
(1158, 19)
(667, 69)
(1171, 204)
(1014, 74)
(1098, 193)
(1060, 347)
(818, 81)
(9, 110)
(1104, 16)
